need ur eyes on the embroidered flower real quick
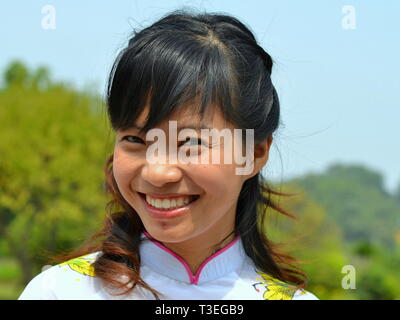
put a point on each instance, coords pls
(275, 289)
(83, 265)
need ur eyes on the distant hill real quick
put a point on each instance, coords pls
(354, 197)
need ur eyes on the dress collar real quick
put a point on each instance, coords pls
(162, 260)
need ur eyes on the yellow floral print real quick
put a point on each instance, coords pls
(82, 265)
(275, 289)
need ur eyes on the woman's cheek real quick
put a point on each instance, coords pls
(122, 170)
(211, 179)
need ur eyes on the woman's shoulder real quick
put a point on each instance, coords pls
(68, 280)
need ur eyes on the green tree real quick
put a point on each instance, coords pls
(377, 272)
(41, 79)
(17, 74)
(54, 145)
(313, 239)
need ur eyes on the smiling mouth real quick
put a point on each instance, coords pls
(170, 203)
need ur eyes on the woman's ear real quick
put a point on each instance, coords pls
(261, 155)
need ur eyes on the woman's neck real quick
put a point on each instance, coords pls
(196, 251)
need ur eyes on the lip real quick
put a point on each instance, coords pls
(166, 214)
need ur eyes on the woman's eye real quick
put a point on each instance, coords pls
(194, 141)
(188, 141)
(133, 139)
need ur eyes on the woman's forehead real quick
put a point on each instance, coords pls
(187, 117)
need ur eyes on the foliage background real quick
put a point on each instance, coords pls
(53, 146)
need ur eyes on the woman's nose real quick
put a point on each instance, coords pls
(160, 174)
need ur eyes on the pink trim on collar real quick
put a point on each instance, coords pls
(194, 279)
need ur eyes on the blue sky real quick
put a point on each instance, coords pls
(339, 88)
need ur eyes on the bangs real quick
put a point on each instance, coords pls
(165, 71)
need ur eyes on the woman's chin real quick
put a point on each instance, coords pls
(170, 234)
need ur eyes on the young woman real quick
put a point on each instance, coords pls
(185, 229)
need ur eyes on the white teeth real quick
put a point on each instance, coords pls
(179, 202)
(167, 203)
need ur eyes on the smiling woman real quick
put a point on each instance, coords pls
(177, 229)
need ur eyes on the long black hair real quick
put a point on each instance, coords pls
(216, 60)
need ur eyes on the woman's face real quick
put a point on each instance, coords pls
(211, 216)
